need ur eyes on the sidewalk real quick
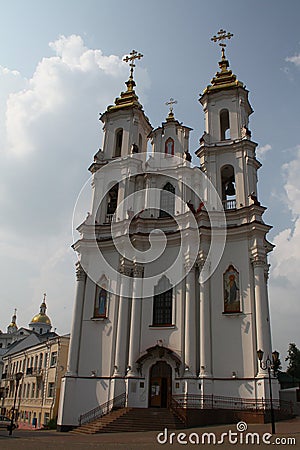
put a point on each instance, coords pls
(27, 426)
(51, 440)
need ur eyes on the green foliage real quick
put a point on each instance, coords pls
(51, 425)
(277, 366)
(294, 361)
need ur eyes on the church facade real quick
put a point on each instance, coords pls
(172, 295)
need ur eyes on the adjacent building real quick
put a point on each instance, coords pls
(41, 356)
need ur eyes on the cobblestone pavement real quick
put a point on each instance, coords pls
(52, 440)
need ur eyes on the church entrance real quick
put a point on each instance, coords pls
(160, 385)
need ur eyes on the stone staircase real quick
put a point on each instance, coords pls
(132, 419)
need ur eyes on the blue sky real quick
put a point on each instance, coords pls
(51, 96)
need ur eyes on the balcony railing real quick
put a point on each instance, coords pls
(229, 204)
(37, 372)
(34, 371)
(109, 218)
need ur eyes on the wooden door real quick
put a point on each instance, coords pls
(160, 385)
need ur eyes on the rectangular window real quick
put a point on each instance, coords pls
(50, 389)
(32, 390)
(53, 359)
(162, 308)
(27, 390)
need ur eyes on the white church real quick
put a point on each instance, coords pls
(172, 272)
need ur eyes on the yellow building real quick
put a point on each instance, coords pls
(41, 358)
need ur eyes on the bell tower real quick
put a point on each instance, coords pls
(126, 129)
(125, 125)
(228, 158)
(227, 154)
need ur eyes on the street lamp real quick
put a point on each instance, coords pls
(18, 378)
(269, 364)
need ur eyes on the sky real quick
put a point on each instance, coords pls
(61, 65)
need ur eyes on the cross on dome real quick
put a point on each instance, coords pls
(170, 103)
(133, 55)
(221, 36)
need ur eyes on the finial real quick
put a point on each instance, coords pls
(222, 35)
(15, 312)
(44, 299)
(170, 103)
(133, 55)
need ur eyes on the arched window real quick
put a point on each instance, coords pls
(169, 147)
(100, 305)
(112, 202)
(118, 143)
(224, 124)
(228, 187)
(162, 303)
(167, 201)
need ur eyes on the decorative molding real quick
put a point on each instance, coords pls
(125, 270)
(258, 261)
(138, 271)
(80, 273)
(189, 265)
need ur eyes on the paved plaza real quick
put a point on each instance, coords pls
(52, 440)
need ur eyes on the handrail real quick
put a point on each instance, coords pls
(178, 410)
(102, 410)
(182, 401)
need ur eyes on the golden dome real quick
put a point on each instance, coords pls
(41, 318)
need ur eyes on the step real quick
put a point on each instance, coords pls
(132, 419)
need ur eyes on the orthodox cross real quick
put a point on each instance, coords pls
(131, 58)
(222, 35)
(170, 103)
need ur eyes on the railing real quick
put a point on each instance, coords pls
(229, 204)
(184, 402)
(178, 410)
(109, 218)
(102, 410)
(37, 372)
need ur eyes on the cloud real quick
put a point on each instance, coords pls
(285, 261)
(294, 59)
(262, 151)
(50, 132)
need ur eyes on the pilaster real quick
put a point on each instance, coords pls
(73, 358)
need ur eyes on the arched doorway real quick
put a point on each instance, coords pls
(160, 385)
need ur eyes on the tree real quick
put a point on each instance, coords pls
(294, 361)
(277, 366)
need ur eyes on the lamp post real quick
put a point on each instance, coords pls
(268, 365)
(18, 378)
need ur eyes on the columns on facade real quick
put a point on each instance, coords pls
(135, 326)
(205, 320)
(190, 322)
(73, 358)
(122, 325)
(263, 331)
